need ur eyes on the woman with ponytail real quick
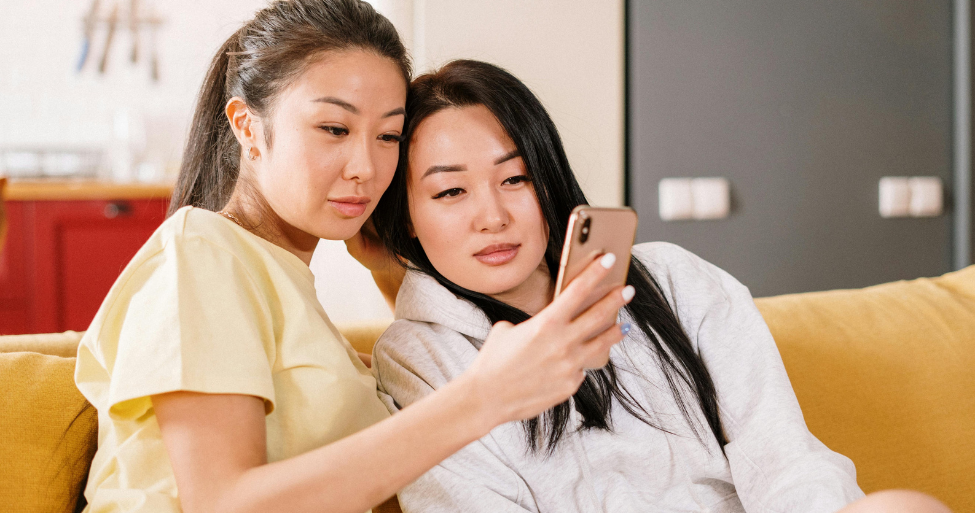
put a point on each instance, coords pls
(693, 411)
(220, 384)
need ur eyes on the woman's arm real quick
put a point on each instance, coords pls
(386, 269)
(776, 463)
(217, 444)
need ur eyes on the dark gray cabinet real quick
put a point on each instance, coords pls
(803, 106)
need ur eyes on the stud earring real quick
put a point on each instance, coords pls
(251, 155)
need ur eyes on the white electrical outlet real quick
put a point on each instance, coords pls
(916, 196)
(682, 199)
(895, 196)
(676, 200)
(927, 196)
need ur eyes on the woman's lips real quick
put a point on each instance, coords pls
(350, 206)
(497, 254)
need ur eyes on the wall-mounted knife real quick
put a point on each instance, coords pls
(112, 22)
(88, 27)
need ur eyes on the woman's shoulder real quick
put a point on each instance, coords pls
(205, 235)
(430, 351)
(201, 225)
(680, 272)
(665, 253)
(666, 259)
(186, 226)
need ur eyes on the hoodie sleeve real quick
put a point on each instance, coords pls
(776, 463)
(410, 361)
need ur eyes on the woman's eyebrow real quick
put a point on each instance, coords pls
(336, 101)
(353, 109)
(506, 157)
(442, 169)
(447, 169)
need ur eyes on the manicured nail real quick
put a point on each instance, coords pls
(628, 292)
(607, 260)
(625, 328)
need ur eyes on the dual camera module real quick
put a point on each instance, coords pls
(584, 232)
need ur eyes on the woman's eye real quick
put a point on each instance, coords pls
(449, 193)
(514, 180)
(336, 130)
(391, 138)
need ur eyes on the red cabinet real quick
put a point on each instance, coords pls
(62, 257)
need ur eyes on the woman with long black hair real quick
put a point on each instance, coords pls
(693, 410)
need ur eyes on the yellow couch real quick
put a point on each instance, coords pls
(884, 375)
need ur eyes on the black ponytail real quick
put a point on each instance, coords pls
(210, 163)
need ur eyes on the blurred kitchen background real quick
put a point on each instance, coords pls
(799, 145)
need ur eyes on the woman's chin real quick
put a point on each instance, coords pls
(343, 229)
(332, 234)
(492, 283)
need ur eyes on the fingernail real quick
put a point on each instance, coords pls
(628, 292)
(607, 260)
(625, 328)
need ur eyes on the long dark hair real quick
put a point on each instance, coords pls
(256, 63)
(468, 83)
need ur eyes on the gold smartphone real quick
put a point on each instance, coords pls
(592, 232)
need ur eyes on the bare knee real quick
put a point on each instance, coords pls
(897, 501)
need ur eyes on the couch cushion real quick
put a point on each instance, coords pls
(49, 433)
(362, 335)
(886, 376)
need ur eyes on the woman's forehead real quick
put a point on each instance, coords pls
(469, 135)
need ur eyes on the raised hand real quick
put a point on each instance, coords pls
(525, 369)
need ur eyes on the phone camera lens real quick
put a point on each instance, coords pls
(584, 235)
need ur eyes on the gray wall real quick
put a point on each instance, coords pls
(803, 106)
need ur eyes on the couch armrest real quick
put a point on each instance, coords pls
(55, 344)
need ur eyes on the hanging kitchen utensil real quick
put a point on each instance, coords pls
(153, 52)
(134, 30)
(88, 28)
(112, 22)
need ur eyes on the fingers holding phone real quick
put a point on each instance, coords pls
(541, 362)
(597, 233)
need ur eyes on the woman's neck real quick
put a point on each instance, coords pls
(260, 219)
(533, 294)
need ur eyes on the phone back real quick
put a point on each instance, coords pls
(592, 232)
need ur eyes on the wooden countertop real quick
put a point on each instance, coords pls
(59, 190)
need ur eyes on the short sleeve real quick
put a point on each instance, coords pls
(191, 318)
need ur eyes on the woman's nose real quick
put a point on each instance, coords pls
(361, 166)
(492, 215)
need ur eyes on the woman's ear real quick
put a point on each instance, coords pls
(247, 127)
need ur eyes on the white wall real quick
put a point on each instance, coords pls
(569, 52)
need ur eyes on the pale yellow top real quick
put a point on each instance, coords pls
(206, 306)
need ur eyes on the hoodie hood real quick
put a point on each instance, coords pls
(421, 298)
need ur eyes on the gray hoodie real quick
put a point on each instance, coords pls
(772, 462)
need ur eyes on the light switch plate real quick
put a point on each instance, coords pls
(895, 196)
(675, 199)
(711, 197)
(927, 196)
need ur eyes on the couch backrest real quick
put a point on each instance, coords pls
(886, 376)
